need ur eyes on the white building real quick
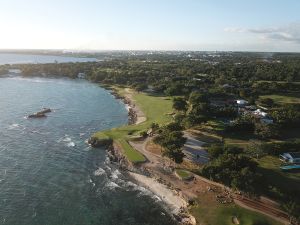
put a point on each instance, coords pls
(264, 117)
(259, 112)
(291, 157)
(241, 102)
(81, 75)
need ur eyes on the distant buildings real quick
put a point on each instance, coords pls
(241, 102)
(14, 71)
(259, 114)
(197, 79)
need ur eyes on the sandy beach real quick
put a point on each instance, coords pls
(168, 196)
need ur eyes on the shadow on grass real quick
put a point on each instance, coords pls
(132, 131)
(275, 183)
(239, 136)
(157, 95)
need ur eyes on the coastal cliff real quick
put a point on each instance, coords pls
(172, 199)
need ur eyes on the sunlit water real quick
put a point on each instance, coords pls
(10, 58)
(48, 175)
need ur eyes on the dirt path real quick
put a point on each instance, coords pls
(266, 208)
(160, 168)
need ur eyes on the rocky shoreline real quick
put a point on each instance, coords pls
(132, 114)
(176, 204)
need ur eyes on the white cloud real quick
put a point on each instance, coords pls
(287, 33)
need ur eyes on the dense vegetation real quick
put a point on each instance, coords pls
(233, 168)
(204, 88)
(170, 137)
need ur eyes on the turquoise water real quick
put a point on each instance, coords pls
(48, 174)
(10, 58)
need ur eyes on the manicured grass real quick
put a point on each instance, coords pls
(206, 137)
(183, 174)
(273, 163)
(275, 179)
(217, 214)
(155, 110)
(102, 136)
(236, 142)
(133, 155)
(216, 129)
(239, 139)
(216, 125)
(283, 99)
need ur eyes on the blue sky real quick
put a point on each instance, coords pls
(244, 25)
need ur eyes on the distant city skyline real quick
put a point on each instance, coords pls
(197, 25)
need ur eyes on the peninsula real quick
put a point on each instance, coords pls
(216, 132)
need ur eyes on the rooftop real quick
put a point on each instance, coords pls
(295, 154)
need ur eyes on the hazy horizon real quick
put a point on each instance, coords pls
(252, 26)
(66, 51)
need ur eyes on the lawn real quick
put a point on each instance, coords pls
(238, 139)
(131, 154)
(216, 214)
(215, 129)
(216, 125)
(273, 163)
(208, 211)
(155, 109)
(283, 99)
(275, 179)
(183, 174)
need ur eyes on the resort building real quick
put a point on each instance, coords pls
(291, 157)
(241, 102)
(263, 116)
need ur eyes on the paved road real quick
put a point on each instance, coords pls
(193, 149)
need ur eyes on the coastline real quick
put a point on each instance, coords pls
(135, 114)
(143, 180)
(171, 198)
(152, 181)
(176, 205)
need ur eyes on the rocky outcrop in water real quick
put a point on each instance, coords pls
(37, 115)
(40, 114)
